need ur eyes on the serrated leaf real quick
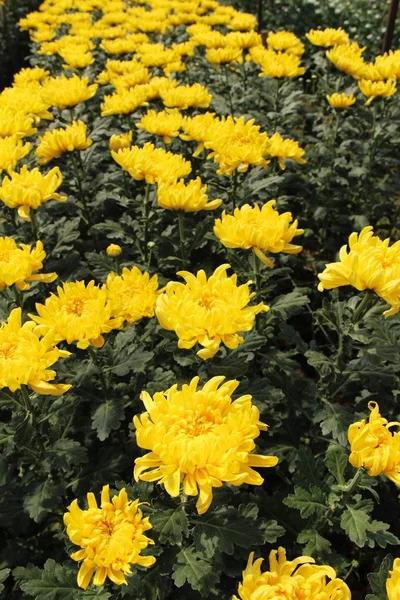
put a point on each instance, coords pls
(191, 567)
(94, 594)
(355, 523)
(308, 502)
(271, 530)
(377, 580)
(42, 500)
(135, 362)
(290, 304)
(4, 573)
(56, 583)
(170, 524)
(309, 469)
(378, 533)
(336, 460)
(314, 544)
(334, 419)
(106, 418)
(68, 452)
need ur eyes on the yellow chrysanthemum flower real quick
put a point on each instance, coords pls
(375, 89)
(12, 149)
(374, 447)
(209, 312)
(186, 96)
(209, 39)
(152, 164)
(342, 100)
(370, 264)
(262, 229)
(176, 195)
(198, 128)
(393, 581)
(57, 141)
(76, 57)
(25, 357)
(166, 123)
(111, 537)
(290, 579)
(78, 313)
(28, 99)
(200, 439)
(285, 41)
(348, 58)
(328, 37)
(64, 92)
(129, 80)
(27, 189)
(243, 22)
(17, 264)
(282, 149)
(123, 140)
(388, 65)
(219, 56)
(113, 250)
(132, 294)
(243, 40)
(280, 64)
(16, 123)
(29, 74)
(124, 101)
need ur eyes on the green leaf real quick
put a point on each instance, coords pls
(106, 418)
(378, 533)
(355, 523)
(314, 544)
(308, 503)
(42, 500)
(191, 567)
(271, 530)
(321, 363)
(135, 363)
(4, 573)
(309, 469)
(334, 419)
(94, 594)
(170, 524)
(56, 583)
(336, 461)
(289, 304)
(66, 453)
(377, 580)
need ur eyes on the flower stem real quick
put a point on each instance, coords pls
(256, 268)
(34, 225)
(146, 210)
(363, 306)
(349, 489)
(181, 234)
(26, 399)
(18, 297)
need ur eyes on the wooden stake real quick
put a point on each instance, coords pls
(260, 15)
(391, 20)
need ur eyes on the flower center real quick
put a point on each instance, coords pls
(198, 422)
(206, 300)
(7, 350)
(75, 306)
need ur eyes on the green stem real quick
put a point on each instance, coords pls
(96, 362)
(228, 87)
(18, 297)
(349, 489)
(146, 210)
(181, 235)
(26, 399)
(232, 193)
(256, 268)
(362, 307)
(78, 177)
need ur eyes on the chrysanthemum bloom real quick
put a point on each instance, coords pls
(393, 581)
(17, 264)
(243, 22)
(16, 123)
(370, 264)
(219, 56)
(348, 58)
(280, 64)
(123, 140)
(285, 41)
(262, 229)
(176, 195)
(198, 128)
(65, 92)
(124, 102)
(328, 37)
(12, 149)
(78, 313)
(236, 144)
(342, 100)
(29, 74)
(76, 57)
(388, 65)
(111, 537)
(209, 312)
(129, 80)
(374, 89)
(113, 250)
(25, 357)
(57, 141)
(185, 96)
(200, 439)
(374, 446)
(166, 123)
(27, 189)
(28, 99)
(132, 294)
(152, 164)
(298, 578)
(282, 149)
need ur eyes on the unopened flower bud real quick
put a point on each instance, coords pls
(113, 250)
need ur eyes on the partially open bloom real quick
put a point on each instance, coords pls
(65, 92)
(342, 100)
(29, 74)
(132, 294)
(185, 96)
(262, 229)
(282, 149)
(393, 582)
(280, 64)
(152, 164)
(79, 313)
(76, 57)
(57, 141)
(17, 264)
(328, 37)
(111, 537)
(16, 123)
(209, 311)
(348, 58)
(123, 140)
(113, 250)
(374, 446)
(12, 149)
(165, 124)
(176, 195)
(27, 189)
(199, 438)
(124, 102)
(298, 578)
(375, 89)
(25, 357)
(219, 56)
(370, 264)
(285, 41)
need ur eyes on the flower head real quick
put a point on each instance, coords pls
(113, 250)
(374, 446)
(328, 37)
(56, 142)
(337, 100)
(152, 164)
(111, 537)
(65, 92)
(185, 96)
(76, 57)
(165, 124)
(124, 102)
(282, 149)
(219, 56)
(16, 123)
(123, 140)
(262, 229)
(26, 355)
(17, 264)
(280, 64)
(369, 264)
(78, 313)
(290, 579)
(285, 41)
(393, 582)
(12, 149)
(132, 294)
(199, 438)
(209, 311)
(176, 195)
(375, 89)
(27, 189)
(348, 58)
